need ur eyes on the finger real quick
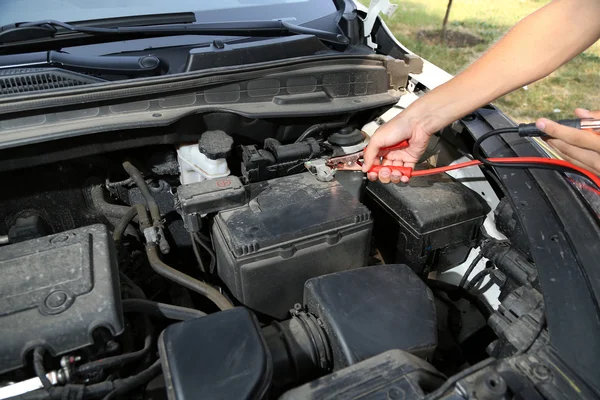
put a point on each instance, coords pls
(396, 176)
(385, 175)
(372, 176)
(576, 162)
(572, 136)
(583, 113)
(371, 152)
(587, 159)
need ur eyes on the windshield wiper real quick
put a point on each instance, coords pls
(56, 30)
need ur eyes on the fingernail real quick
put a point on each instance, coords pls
(540, 124)
(396, 174)
(384, 173)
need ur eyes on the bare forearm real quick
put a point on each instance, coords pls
(533, 49)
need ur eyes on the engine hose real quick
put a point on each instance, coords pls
(135, 210)
(213, 258)
(319, 128)
(469, 270)
(454, 291)
(185, 280)
(96, 390)
(161, 309)
(105, 208)
(110, 362)
(152, 205)
(38, 366)
(478, 278)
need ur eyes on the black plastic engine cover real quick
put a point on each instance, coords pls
(370, 310)
(220, 356)
(391, 375)
(55, 290)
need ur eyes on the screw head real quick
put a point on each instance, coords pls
(56, 299)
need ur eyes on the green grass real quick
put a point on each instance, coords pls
(576, 84)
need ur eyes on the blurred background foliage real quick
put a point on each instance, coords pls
(473, 26)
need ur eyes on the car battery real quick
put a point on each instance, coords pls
(294, 228)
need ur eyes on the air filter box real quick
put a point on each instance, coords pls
(294, 228)
(428, 223)
(55, 290)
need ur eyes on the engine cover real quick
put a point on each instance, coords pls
(55, 291)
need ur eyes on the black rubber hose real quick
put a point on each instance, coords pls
(478, 278)
(469, 270)
(135, 210)
(205, 246)
(38, 366)
(197, 253)
(454, 291)
(110, 362)
(135, 290)
(439, 392)
(185, 280)
(96, 390)
(123, 386)
(105, 208)
(137, 177)
(161, 309)
(319, 128)
(152, 205)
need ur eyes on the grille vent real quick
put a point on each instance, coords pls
(25, 80)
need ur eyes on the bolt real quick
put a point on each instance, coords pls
(395, 393)
(111, 346)
(540, 371)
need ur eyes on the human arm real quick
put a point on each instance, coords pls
(531, 50)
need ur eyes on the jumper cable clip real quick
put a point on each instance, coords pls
(354, 161)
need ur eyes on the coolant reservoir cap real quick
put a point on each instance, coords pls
(215, 144)
(346, 136)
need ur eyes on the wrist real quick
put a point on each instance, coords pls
(421, 117)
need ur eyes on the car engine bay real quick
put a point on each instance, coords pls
(290, 279)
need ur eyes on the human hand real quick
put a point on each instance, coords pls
(577, 146)
(401, 127)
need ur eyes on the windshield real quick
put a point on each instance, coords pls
(298, 11)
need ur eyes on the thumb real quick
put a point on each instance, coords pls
(547, 126)
(370, 154)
